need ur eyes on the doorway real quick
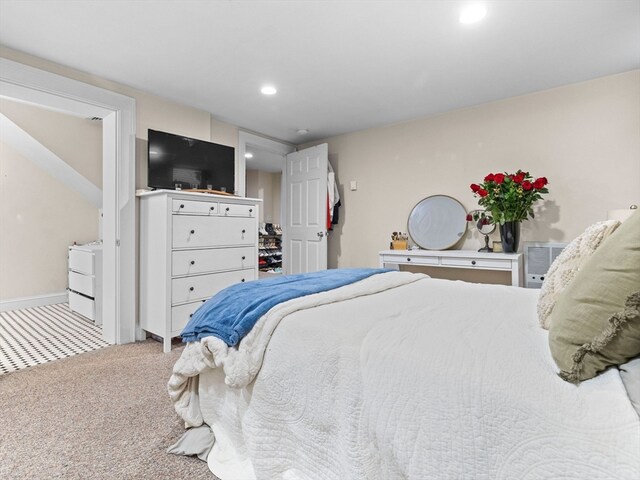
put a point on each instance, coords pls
(264, 180)
(26, 84)
(261, 175)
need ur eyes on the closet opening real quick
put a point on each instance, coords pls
(261, 174)
(264, 178)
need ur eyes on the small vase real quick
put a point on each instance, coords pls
(510, 236)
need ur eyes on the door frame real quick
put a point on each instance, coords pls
(274, 146)
(56, 92)
(247, 138)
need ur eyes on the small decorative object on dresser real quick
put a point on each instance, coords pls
(399, 241)
(484, 224)
(509, 199)
(192, 245)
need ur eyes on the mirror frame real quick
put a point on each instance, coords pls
(463, 221)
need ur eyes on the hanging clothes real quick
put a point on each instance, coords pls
(333, 198)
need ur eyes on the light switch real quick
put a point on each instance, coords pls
(353, 185)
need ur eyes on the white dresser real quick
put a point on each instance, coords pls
(510, 262)
(85, 281)
(192, 245)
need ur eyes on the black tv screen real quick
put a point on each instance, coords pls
(177, 162)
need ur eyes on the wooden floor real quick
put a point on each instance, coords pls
(32, 336)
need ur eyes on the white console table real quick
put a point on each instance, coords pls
(509, 262)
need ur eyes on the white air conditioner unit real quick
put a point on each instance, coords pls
(538, 257)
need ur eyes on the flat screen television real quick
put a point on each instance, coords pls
(177, 162)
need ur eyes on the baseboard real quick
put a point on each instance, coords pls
(36, 301)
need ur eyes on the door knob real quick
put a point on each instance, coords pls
(320, 234)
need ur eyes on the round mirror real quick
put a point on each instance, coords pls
(437, 222)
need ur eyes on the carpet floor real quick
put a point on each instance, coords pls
(104, 414)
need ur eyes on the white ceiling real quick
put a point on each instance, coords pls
(339, 66)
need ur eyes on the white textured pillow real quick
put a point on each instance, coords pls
(567, 264)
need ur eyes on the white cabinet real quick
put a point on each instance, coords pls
(510, 262)
(192, 245)
(85, 281)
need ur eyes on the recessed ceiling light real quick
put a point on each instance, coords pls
(302, 131)
(248, 155)
(472, 14)
(269, 90)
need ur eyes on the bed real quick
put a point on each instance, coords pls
(401, 376)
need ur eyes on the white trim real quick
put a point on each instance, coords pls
(23, 83)
(247, 138)
(48, 161)
(35, 301)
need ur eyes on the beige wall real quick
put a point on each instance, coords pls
(585, 138)
(77, 141)
(267, 186)
(151, 112)
(276, 198)
(40, 216)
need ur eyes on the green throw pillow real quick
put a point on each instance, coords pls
(597, 318)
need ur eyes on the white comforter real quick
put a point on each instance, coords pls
(430, 379)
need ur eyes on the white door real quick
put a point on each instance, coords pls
(305, 232)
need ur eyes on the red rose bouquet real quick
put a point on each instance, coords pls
(509, 197)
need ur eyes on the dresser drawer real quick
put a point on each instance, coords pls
(81, 261)
(85, 284)
(82, 305)
(189, 289)
(193, 207)
(489, 263)
(410, 259)
(234, 210)
(191, 231)
(181, 315)
(191, 262)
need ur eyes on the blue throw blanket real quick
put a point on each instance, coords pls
(232, 312)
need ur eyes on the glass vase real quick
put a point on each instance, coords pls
(510, 236)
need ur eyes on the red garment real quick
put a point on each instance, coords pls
(328, 214)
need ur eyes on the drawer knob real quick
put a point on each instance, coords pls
(542, 278)
(193, 262)
(190, 315)
(191, 289)
(242, 280)
(473, 262)
(212, 208)
(250, 210)
(408, 259)
(192, 232)
(227, 209)
(243, 257)
(182, 205)
(244, 231)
